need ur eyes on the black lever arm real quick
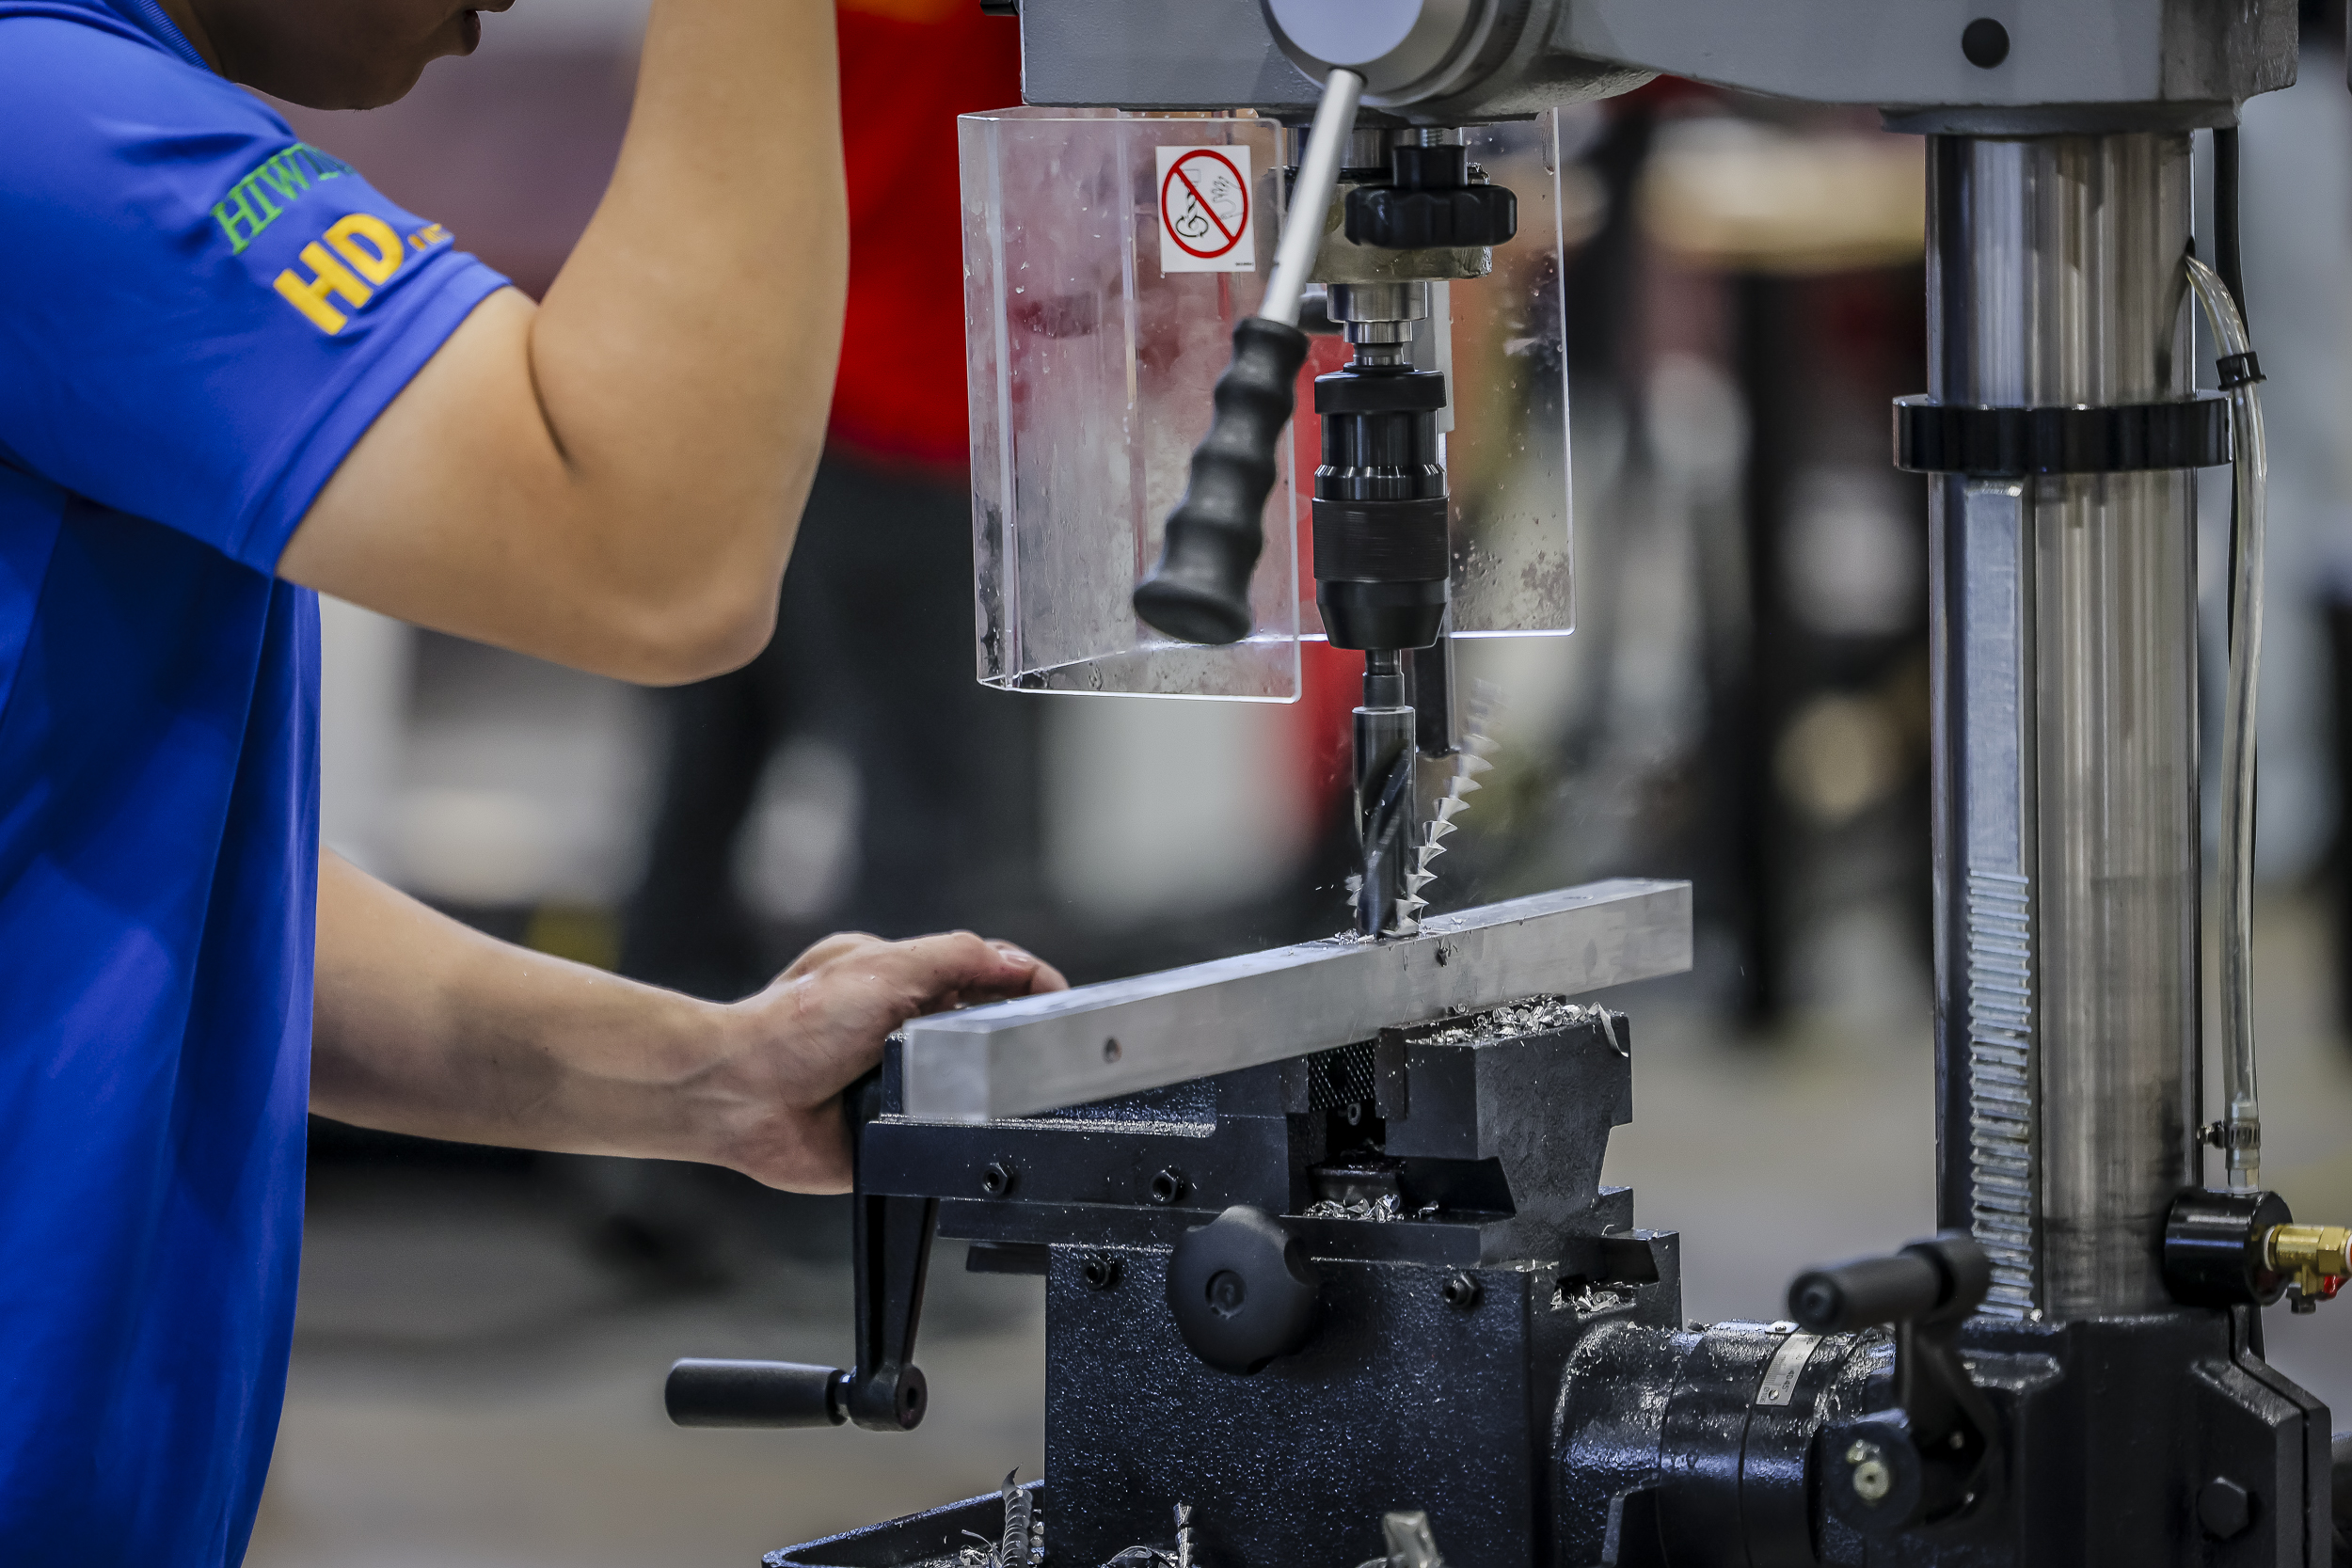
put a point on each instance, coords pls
(892, 1243)
(1923, 1460)
(1199, 591)
(891, 1239)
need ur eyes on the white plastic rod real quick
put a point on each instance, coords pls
(1311, 197)
(2241, 1121)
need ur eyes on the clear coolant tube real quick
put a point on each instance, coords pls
(1311, 197)
(2241, 1122)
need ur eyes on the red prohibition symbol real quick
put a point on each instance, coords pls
(1217, 212)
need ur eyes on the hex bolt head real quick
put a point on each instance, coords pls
(1872, 1481)
(996, 1181)
(1462, 1292)
(1168, 1185)
(1098, 1270)
(2224, 1507)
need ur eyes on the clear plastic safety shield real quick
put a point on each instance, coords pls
(1106, 259)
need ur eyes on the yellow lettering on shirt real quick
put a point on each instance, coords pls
(308, 296)
(369, 243)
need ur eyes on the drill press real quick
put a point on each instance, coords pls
(1329, 1271)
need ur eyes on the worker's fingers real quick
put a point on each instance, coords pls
(1044, 978)
(950, 970)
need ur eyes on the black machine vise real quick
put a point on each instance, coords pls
(1313, 1308)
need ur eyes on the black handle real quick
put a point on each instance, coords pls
(755, 1394)
(1923, 1458)
(1938, 1280)
(891, 1251)
(892, 1241)
(1199, 591)
(1864, 1293)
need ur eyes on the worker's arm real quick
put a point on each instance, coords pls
(611, 478)
(426, 1026)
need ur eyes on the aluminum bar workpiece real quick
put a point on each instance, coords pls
(1040, 1052)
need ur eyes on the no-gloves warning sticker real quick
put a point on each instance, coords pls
(1206, 209)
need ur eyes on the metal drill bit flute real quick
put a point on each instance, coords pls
(1384, 791)
(1472, 757)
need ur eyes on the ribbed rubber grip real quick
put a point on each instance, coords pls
(754, 1394)
(1199, 591)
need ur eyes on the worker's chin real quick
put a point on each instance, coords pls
(469, 32)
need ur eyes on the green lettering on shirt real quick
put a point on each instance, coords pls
(247, 209)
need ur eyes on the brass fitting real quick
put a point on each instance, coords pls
(2315, 1259)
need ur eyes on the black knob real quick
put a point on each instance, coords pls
(2212, 1248)
(1242, 1290)
(1398, 219)
(1199, 591)
(1932, 1280)
(755, 1394)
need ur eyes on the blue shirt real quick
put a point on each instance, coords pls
(199, 316)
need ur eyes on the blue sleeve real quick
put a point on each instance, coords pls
(200, 314)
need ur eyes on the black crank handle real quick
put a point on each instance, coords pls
(702, 1393)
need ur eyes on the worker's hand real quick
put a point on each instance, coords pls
(820, 1025)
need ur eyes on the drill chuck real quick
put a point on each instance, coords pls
(1382, 558)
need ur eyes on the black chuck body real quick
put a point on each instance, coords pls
(1381, 551)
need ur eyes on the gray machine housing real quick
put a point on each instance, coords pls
(2072, 65)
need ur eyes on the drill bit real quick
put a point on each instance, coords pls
(1475, 757)
(1384, 791)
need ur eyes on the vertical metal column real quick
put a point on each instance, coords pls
(2066, 779)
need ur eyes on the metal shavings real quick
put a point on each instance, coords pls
(1409, 1543)
(1015, 1550)
(1591, 1299)
(1385, 1207)
(1532, 1016)
(1152, 1557)
(1475, 757)
(1023, 1544)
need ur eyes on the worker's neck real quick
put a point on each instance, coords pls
(185, 17)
